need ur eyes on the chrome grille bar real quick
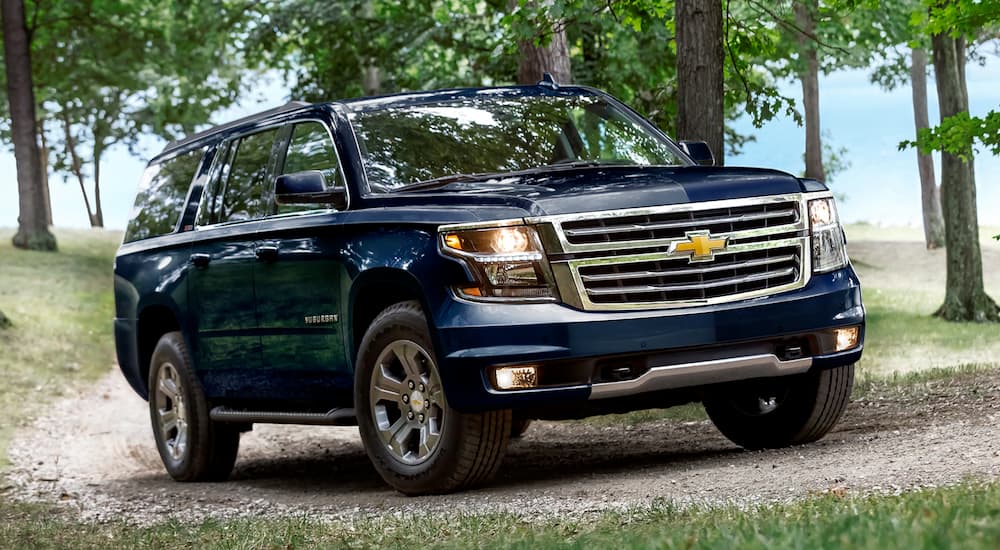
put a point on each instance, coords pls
(633, 227)
(698, 286)
(621, 259)
(686, 271)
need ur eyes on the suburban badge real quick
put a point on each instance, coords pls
(321, 319)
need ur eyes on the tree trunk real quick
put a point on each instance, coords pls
(965, 298)
(98, 211)
(538, 59)
(810, 88)
(76, 166)
(32, 227)
(930, 194)
(43, 154)
(699, 73)
(371, 77)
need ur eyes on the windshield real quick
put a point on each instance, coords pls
(489, 134)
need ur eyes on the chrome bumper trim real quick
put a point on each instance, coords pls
(701, 373)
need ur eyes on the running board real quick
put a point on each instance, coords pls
(334, 417)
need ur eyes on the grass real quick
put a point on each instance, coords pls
(903, 284)
(61, 307)
(903, 336)
(967, 515)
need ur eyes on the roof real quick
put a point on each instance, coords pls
(401, 99)
(178, 144)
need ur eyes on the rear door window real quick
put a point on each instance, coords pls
(161, 197)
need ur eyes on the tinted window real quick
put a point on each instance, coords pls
(496, 133)
(312, 149)
(243, 195)
(160, 199)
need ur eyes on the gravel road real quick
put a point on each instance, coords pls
(93, 454)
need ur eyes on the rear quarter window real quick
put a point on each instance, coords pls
(160, 199)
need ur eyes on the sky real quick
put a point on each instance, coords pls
(881, 186)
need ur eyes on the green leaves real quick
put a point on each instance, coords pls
(959, 135)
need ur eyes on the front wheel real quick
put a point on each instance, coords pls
(778, 412)
(191, 445)
(416, 441)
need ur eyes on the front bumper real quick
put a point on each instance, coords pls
(674, 348)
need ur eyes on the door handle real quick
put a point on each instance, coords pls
(201, 260)
(267, 252)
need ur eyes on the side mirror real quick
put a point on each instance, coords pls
(699, 151)
(307, 187)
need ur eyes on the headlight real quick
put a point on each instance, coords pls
(829, 252)
(507, 262)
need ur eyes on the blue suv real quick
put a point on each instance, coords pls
(440, 268)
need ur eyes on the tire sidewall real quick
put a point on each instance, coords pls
(786, 425)
(171, 349)
(393, 325)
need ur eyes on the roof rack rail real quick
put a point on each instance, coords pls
(290, 106)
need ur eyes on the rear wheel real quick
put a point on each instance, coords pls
(780, 412)
(191, 445)
(416, 441)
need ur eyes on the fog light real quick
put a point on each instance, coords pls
(847, 338)
(516, 378)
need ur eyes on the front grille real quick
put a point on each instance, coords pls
(674, 225)
(623, 260)
(677, 280)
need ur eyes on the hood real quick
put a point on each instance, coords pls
(617, 187)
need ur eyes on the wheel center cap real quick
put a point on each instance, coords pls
(417, 401)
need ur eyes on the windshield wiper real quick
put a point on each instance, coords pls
(454, 178)
(573, 165)
(587, 163)
(444, 180)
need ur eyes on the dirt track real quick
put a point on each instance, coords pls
(94, 454)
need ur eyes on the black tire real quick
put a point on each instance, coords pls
(468, 447)
(804, 408)
(518, 425)
(209, 449)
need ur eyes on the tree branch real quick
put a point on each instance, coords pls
(795, 28)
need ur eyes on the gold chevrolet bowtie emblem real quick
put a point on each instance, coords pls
(700, 246)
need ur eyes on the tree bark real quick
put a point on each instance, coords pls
(43, 154)
(965, 298)
(98, 210)
(537, 59)
(76, 166)
(930, 193)
(32, 228)
(371, 77)
(809, 76)
(700, 74)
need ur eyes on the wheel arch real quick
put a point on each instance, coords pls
(373, 291)
(154, 320)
